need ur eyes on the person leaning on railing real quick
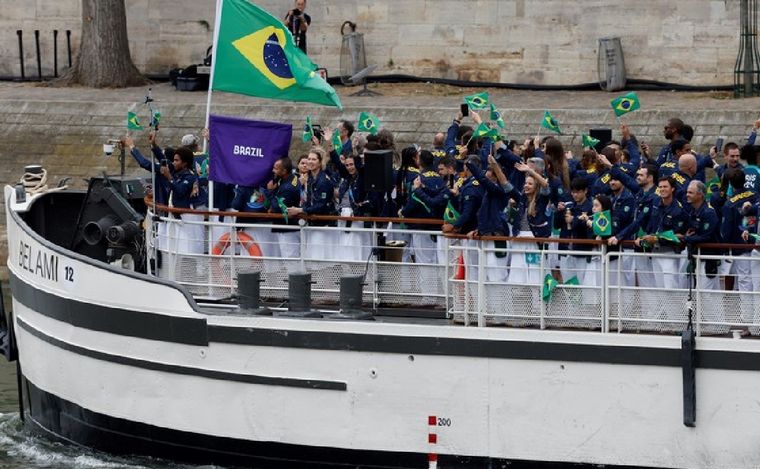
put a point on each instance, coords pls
(667, 215)
(320, 200)
(567, 220)
(702, 227)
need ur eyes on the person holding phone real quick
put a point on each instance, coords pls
(298, 23)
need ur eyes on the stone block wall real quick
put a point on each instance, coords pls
(512, 41)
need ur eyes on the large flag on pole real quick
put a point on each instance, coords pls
(243, 151)
(255, 55)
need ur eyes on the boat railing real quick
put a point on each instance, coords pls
(522, 282)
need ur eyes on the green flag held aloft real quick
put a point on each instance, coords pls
(485, 132)
(308, 130)
(589, 141)
(368, 123)
(477, 100)
(550, 123)
(496, 116)
(450, 215)
(603, 223)
(133, 123)
(668, 236)
(550, 284)
(625, 104)
(337, 143)
(255, 55)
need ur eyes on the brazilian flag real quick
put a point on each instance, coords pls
(754, 236)
(283, 208)
(308, 130)
(254, 54)
(589, 141)
(133, 123)
(368, 123)
(602, 223)
(713, 185)
(450, 215)
(496, 116)
(668, 236)
(486, 132)
(337, 143)
(550, 284)
(477, 100)
(550, 123)
(625, 104)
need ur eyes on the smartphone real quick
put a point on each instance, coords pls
(464, 109)
(164, 163)
(719, 144)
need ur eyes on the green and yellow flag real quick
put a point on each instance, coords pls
(754, 236)
(550, 123)
(419, 201)
(603, 223)
(255, 55)
(486, 132)
(625, 104)
(668, 236)
(496, 116)
(308, 130)
(337, 143)
(550, 284)
(155, 119)
(477, 100)
(283, 208)
(450, 215)
(368, 123)
(133, 123)
(589, 141)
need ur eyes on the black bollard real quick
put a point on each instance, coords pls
(55, 53)
(20, 34)
(299, 292)
(39, 58)
(249, 293)
(351, 293)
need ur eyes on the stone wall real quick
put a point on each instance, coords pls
(512, 41)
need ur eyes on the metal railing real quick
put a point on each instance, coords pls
(520, 282)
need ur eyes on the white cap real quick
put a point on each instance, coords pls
(189, 140)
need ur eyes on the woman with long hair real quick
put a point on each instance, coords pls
(530, 220)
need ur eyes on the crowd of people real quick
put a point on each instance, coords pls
(658, 202)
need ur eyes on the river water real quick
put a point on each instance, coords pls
(19, 449)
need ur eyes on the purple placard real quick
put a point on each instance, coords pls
(243, 151)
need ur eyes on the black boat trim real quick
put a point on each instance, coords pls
(68, 422)
(184, 370)
(141, 324)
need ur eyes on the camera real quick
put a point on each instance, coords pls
(109, 146)
(296, 12)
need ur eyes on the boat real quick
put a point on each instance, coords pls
(132, 352)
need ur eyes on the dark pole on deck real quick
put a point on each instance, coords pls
(68, 44)
(39, 59)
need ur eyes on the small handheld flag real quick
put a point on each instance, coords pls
(477, 100)
(337, 143)
(754, 236)
(155, 118)
(550, 123)
(133, 123)
(368, 123)
(668, 236)
(589, 141)
(486, 132)
(450, 215)
(283, 208)
(496, 116)
(550, 284)
(625, 104)
(602, 224)
(308, 130)
(419, 201)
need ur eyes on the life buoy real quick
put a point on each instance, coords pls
(243, 238)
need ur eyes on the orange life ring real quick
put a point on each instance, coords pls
(243, 238)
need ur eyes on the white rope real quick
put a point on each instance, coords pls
(36, 183)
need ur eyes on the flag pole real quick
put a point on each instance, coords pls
(214, 44)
